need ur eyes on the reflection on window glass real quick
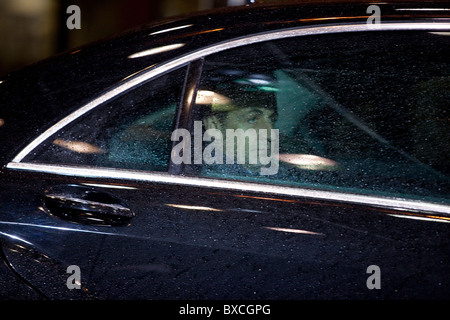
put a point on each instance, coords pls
(365, 112)
(132, 131)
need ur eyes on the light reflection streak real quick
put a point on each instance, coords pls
(247, 210)
(157, 50)
(422, 217)
(137, 72)
(109, 186)
(2, 122)
(289, 230)
(42, 209)
(171, 29)
(215, 100)
(208, 31)
(309, 161)
(265, 198)
(440, 33)
(422, 9)
(210, 97)
(49, 227)
(78, 146)
(15, 238)
(188, 207)
(333, 18)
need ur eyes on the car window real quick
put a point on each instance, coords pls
(361, 112)
(131, 131)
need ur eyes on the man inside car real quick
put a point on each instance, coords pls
(244, 116)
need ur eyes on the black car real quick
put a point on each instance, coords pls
(119, 178)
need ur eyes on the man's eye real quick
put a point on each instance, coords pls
(252, 120)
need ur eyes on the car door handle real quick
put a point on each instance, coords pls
(86, 205)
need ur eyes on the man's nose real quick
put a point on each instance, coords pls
(265, 123)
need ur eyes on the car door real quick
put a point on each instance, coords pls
(101, 210)
(56, 220)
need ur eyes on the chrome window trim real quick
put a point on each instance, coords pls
(252, 39)
(400, 204)
(378, 201)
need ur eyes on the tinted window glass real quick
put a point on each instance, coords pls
(132, 131)
(363, 112)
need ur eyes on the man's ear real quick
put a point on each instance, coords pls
(211, 122)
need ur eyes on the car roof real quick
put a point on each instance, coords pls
(211, 26)
(204, 28)
(35, 96)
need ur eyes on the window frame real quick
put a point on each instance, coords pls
(194, 62)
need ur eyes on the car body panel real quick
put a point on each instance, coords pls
(216, 244)
(200, 238)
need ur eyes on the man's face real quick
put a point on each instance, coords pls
(250, 117)
(256, 118)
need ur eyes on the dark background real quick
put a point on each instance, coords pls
(32, 30)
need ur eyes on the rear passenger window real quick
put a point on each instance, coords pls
(132, 131)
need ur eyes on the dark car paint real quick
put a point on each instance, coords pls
(224, 250)
(172, 253)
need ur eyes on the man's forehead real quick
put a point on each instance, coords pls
(253, 110)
